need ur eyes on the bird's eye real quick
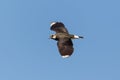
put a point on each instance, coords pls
(52, 36)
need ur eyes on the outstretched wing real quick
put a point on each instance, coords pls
(58, 27)
(65, 47)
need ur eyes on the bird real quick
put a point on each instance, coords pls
(63, 38)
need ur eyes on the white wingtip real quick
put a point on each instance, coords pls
(52, 23)
(65, 56)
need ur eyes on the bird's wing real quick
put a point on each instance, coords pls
(58, 27)
(65, 47)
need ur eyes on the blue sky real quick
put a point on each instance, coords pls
(26, 53)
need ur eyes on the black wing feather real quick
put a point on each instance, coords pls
(65, 47)
(59, 27)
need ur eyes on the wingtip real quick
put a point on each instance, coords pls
(52, 23)
(65, 56)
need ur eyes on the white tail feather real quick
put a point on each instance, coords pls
(76, 37)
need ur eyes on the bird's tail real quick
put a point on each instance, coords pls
(76, 37)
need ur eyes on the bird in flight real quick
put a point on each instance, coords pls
(63, 38)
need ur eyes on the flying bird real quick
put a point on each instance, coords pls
(63, 38)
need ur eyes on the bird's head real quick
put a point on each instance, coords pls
(53, 36)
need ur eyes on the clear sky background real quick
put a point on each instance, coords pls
(26, 53)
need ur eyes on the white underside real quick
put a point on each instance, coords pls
(52, 23)
(66, 56)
